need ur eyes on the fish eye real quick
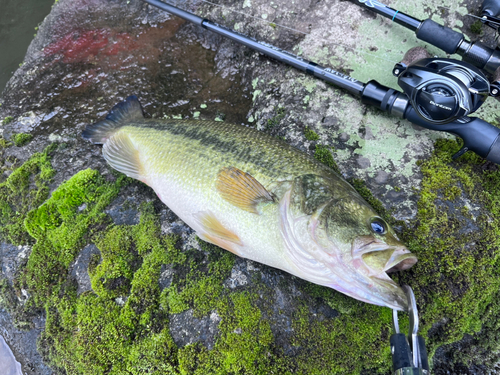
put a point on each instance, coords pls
(378, 225)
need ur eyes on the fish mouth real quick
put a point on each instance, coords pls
(380, 258)
(375, 259)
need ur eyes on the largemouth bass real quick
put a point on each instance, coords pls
(259, 198)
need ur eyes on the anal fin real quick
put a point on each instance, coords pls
(213, 231)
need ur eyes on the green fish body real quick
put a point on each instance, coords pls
(259, 198)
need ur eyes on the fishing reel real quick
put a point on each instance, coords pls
(441, 90)
(490, 13)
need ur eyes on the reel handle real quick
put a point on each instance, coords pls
(478, 135)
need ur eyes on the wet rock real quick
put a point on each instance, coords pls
(79, 269)
(166, 276)
(11, 257)
(123, 211)
(23, 344)
(363, 162)
(187, 329)
(90, 54)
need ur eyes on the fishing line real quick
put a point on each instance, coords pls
(470, 15)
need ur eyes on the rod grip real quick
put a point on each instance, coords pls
(440, 36)
(494, 153)
(478, 135)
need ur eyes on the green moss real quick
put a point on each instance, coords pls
(324, 155)
(4, 143)
(61, 227)
(7, 120)
(476, 27)
(21, 139)
(24, 189)
(310, 134)
(7, 297)
(201, 284)
(457, 278)
(280, 115)
(122, 326)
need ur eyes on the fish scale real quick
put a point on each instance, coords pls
(260, 198)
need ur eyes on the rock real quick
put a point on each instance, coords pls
(165, 301)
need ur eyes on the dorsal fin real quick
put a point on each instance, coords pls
(241, 189)
(123, 113)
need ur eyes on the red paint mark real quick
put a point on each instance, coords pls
(85, 46)
(108, 50)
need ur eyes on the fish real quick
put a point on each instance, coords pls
(259, 198)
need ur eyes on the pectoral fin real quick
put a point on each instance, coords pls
(213, 231)
(121, 154)
(241, 189)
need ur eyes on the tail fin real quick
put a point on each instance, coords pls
(128, 111)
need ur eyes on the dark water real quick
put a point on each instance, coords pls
(18, 19)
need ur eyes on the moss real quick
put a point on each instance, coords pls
(310, 134)
(457, 278)
(25, 188)
(280, 115)
(341, 344)
(7, 120)
(476, 27)
(200, 285)
(21, 139)
(457, 286)
(4, 143)
(61, 227)
(323, 155)
(7, 297)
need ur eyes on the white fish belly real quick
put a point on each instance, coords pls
(260, 235)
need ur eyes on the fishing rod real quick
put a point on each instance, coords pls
(448, 40)
(438, 93)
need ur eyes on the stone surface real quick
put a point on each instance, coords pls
(91, 54)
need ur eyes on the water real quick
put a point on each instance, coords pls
(18, 20)
(8, 363)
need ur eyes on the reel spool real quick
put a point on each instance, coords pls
(441, 90)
